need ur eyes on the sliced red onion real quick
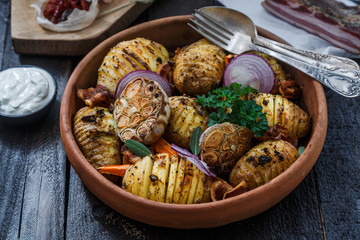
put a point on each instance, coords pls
(193, 159)
(145, 74)
(250, 70)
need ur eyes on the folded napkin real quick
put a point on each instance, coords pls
(295, 36)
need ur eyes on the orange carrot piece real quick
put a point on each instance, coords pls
(118, 170)
(177, 51)
(162, 146)
(228, 58)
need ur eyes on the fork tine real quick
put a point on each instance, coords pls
(214, 23)
(209, 31)
(210, 26)
(212, 38)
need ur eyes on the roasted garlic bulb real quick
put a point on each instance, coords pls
(199, 68)
(263, 163)
(127, 56)
(185, 116)
(142, 111)
(95, 132)
(222, 145)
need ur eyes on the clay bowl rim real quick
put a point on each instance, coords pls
(187, 216)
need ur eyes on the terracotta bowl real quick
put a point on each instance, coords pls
(173, 32)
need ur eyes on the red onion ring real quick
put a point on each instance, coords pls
(250, 70)
(144, 74)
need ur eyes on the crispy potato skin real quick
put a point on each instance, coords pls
(199, 68)
(95, 132)
(283, 112)
(127, 56)
(171, 180)
(185, 116)
(263, 163)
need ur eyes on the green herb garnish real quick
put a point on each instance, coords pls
(227, 105)
(137, 148)
(301, 150)
(194, 141)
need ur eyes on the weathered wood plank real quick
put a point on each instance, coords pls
(33, 162)
(338, 170)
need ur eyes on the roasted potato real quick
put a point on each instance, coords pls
(263, 163)
(222, 145)
(185, 116)
(199, 68)
(95, 132)
(127, 56)
(170, 180)
(285, 113)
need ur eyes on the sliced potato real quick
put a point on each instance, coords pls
(159, 177)
(173, 172)
(187, 183)
(280, 110)
(263, 163)
(144, 176)
(179, 180)
(193, 186)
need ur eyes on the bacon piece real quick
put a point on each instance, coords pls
(99, 96)
(333, 21)
(278, 132)
(290, 90)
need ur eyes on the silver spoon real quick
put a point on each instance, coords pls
(236, 33)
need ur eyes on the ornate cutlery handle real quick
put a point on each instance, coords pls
(329, 62)
(345, 82)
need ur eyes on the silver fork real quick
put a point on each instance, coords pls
(344, 81)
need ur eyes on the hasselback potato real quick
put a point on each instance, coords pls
(142, 111)
(165, 179)
(95, 133)
(285, 113)
(199, 68)
(127, 56)
(263, 163)
(185, 116)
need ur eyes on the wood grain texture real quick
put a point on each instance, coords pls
(338, 169)
(30, 38)
(43, 198)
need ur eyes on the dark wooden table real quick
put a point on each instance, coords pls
(41, 196)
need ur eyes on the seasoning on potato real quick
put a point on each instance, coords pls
(95, 132)
(185, 116)
(128, 56)
(281, 111)
(199, 68)
(165, 179)
(263, 163)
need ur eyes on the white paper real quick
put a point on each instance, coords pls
(295, 36)
(77, 20)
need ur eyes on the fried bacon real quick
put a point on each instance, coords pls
(290, 90)
(278, 132)
(329, 19)
(99, 96)
(220, 190)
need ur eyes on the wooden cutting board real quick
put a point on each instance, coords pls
(30, 38)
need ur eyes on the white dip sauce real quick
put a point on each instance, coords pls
(24, 90)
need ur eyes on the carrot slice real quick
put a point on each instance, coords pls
(118, 170)
(162, 146)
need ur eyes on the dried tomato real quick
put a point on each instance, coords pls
(58, 10)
